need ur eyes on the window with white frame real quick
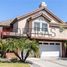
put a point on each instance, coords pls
(44, 27)
(36, 26)
(40, 27)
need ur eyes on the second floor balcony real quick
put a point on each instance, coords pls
(31, 33)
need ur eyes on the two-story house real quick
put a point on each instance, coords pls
(42, 25)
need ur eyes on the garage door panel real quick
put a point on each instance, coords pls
(50, 54)
(50, 47)
(49, 50)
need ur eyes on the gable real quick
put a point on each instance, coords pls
(43, 10)
(41, 19)
(39, 15)
(45, 15)
(52, 19)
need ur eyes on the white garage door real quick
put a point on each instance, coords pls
(50, 50)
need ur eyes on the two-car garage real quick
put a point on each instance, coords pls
(50, 49)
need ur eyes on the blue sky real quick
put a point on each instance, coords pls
(12, 8)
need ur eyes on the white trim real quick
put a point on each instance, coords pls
(40, 25)
(49, 42)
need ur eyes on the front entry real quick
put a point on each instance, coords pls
(50, 49)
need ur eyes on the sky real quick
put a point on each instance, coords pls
(12, 8)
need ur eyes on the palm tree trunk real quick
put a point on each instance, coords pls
(27, 54)
(17, 55)
(22, 55)
(3, 54)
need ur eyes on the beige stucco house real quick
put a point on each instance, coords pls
(42, 25)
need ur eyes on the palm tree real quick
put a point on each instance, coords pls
(13, 46)
(22, 44)
(3, 47)
(30, 45)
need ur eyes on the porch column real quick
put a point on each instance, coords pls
(63, 49)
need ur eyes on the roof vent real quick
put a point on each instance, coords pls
(43, 4)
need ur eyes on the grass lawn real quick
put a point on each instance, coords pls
(14, 65)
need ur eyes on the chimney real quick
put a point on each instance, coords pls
(43, 4)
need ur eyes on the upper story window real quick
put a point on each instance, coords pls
(44, 27)
(40, 26)
(37, 26)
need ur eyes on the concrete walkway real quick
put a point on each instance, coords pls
(32, 62)
(35, 65)
(47, 63)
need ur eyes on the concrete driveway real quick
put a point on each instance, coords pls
(48, 63)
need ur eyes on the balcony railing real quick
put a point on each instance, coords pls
(27, 32)
(31, 33)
